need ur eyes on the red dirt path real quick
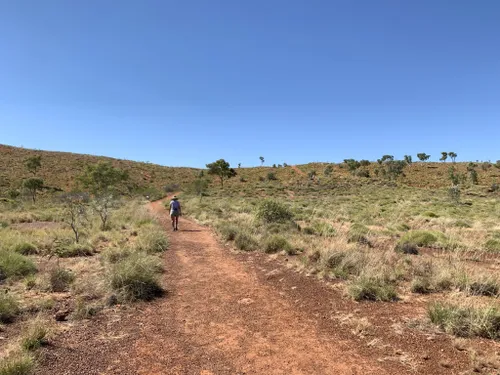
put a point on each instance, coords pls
(229, 313)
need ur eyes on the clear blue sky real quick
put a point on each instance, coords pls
(187, 82)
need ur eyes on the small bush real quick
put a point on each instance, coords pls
(85, 310)
(15, 265)
(492, 245)
(371, 289)
(114, 255)
(421, 285)
(152, 240)
(271, 211)
(228, 232)
(25, 248)
(358, 234)
(276, 243)
(135, 277)
(466, 321)
(271, 176)
(74, 250)
(484, 286)
(419, 238)
(309, 230)
(35, 336)
(17, 364)
(60, 279)
(245, 242)
(9, 308)
(406, 248)
(324, 229)
(430, 214)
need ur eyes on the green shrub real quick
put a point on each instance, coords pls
(271, 211)
(421, 285)
(74, 250)
(245, 242)
(9, 308)
(492, 245)
(372, 289)
(15, 265)
(114, 254)
(466, 321)
(419, 238)
(324, 229)
(406, 248)
(25, 248)
(309, 230)
(60, 279)
(430, 214)
(276, 243)
(17, 364)
(483, 286)
(358, 234)
(35, 336)
(403, 227)
(152, 240)
(228, 232)
(136, 277)
(271, 176)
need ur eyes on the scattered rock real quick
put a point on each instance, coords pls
(246, 301)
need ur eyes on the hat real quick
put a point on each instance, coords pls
(174, 197)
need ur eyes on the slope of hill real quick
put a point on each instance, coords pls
(60, 169)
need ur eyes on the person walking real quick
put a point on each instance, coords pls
(175, 212)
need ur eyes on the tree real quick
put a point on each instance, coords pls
(221, 169)
(364, 163)
(102, 178)
(328, 170)
(33, 185)
(33, 163)
(352, 165)
(408, 159)
(261, 160)
(200, 187)
(444, 156)
(239, 165)
(452, 156)
(471, 169)
(394, 168)
(423, 156)
(75, 211)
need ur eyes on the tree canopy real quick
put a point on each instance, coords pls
(221, 169)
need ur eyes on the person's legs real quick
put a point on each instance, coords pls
(173, 221)
(177, 223)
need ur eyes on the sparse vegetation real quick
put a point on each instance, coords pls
(466, 321)
(136, 277)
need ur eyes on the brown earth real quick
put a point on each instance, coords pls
(239, 313)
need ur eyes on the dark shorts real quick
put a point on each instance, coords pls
(174, 213)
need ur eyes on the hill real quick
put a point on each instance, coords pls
(60, 169)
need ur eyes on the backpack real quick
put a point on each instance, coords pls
(175, 205)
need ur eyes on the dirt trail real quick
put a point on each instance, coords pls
(224, 314)
(299, 172)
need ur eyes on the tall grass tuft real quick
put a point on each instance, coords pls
(466, 321)
(136, 277)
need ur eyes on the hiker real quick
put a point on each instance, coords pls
(175, 212)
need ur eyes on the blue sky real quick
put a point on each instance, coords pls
(187, 82)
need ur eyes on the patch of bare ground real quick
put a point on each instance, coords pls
(248, 313)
